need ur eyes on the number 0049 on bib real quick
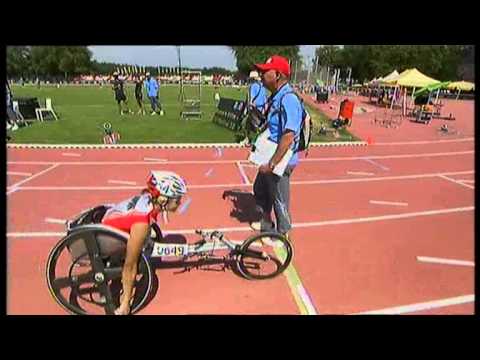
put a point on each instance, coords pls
(166, 250)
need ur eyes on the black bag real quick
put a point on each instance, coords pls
(256, 120)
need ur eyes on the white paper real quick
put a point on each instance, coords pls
(264, 150)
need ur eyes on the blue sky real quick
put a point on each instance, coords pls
(192, 56)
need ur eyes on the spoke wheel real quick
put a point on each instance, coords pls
(264, 256)
(84, 272)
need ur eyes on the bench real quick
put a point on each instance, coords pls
(229, 113)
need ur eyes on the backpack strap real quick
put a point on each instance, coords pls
(258, 94)
(280, 122)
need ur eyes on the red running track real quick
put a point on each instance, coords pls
(351, 254)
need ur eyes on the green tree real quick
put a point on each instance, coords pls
(18, 60)
(247, 56)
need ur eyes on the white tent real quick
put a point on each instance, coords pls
(391, 77)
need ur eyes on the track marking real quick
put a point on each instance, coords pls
(299, 293)
(242, 173)
(153, 159)
(55, 221)
(359, 173)
(71, 154)
(122, 182)
(18, 173)
(421, 306)
(209, 172)
(377, 164)
(435, 260)
(296, 225)
(191, 162)
(15, 186)
(377, 202)
(306, 300)
(424, 142)
(456, 182)
(213, 186)
(466, 181)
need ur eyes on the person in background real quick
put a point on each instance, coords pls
(139, 93)
(11, 116)
(151, 85)
(118, 88)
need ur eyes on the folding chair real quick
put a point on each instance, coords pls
(47, 109)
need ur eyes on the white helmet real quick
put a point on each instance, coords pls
(166, 183)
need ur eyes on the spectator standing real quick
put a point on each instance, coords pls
(284, 121)
(151, 85)
(139, 93)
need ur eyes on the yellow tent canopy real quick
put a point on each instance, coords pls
(461, 85)
(413, 78)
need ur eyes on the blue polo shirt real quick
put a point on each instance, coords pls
(258, 89)
(152, 87)
(291, 111)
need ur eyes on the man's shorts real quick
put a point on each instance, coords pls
(120, 97)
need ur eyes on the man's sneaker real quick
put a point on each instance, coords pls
(9, 126)
(286, 236)
(257, 226)
(15, 127)
(161, 112)
(153, 113)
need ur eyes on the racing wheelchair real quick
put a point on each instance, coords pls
(84, 269)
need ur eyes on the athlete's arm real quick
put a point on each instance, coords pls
(138, 234)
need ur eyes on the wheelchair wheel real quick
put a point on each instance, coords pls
(84, 272)
(264, 256)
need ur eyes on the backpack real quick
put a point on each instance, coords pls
(256, 120)
(306, 127)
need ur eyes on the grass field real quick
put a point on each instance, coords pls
(83, 110)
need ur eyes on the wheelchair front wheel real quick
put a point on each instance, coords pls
(264, 256)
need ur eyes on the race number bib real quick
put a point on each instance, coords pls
(169, 250)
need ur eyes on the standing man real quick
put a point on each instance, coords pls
(284, 123)
(11, 116)
(151, 85)
(256, 104)
(139, 93)
(120, 93)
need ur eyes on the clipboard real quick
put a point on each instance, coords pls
(264, 150)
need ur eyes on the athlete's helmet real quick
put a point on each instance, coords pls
(166, 183)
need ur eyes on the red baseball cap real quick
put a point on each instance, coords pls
(275, 62)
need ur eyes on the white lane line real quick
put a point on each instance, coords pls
(466, 181)
(378, 202)
(307, 301)
(359, 173)
(296, 225)
(456, 182)
(55, 221)
(429, 305)
(18, 173)
(71, 154)
(424, 142)
(34, 234)
(242, 173)
(122, 182)
(191, 162)
(16, 185)
(435, 260)
(377, 164)
(154, 159)
(213, 186)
